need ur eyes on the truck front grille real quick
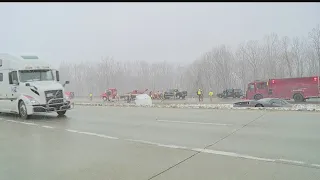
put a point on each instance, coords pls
(54, 94)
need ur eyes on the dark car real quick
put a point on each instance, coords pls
(234, 93)
(265, 102)
(171, 92)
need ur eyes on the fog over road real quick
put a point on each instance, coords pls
(148, 143)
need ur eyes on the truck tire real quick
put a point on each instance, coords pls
(298, 97)
(23, 110)
(61, 113)
(257, 97)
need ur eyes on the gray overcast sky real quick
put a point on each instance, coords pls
(175, 32)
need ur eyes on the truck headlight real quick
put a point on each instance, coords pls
(31, 99)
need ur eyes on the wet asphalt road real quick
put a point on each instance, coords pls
(193, 101)
(113, 143)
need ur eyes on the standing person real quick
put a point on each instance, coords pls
(174, 94)
(90, 95)
(108, 94)
(210, 95)
(199, 94)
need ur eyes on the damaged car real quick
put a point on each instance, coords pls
(265, 102)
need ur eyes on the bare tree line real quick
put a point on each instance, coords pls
(219, 68)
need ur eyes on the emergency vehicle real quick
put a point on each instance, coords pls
(298, 89)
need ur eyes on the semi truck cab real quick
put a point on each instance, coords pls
(29, 85)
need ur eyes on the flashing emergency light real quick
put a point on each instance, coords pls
(315, 79)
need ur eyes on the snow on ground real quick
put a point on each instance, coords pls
(295, 107)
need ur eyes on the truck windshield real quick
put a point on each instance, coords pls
(35, 75)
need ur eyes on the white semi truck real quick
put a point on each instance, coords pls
(29, 85)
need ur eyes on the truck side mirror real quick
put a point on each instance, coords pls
(57, 76)
(67, 82)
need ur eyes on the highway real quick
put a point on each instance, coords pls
(113, 143)
(192, 101)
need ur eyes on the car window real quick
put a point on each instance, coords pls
(276, 101)
(262, 85)
(251, 87)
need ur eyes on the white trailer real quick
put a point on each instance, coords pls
(29, 85)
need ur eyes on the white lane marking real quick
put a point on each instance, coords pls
(91, 134)
(315, 165)
(12, 121)
(191, 122)
(71, 130)
(27, 123)
(48, 127)
(158, 144)
(21, 122)
(208, 151)
(291, 161)
(256, 158)
(141, 141)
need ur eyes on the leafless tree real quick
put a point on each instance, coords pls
(286, 55)
(314, 35)
(216, 69)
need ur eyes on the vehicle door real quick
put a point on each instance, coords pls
(13, 90)
(262, 88)
(251, 91)
(4, 92)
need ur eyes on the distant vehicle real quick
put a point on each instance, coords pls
(29, 85)
(179, 94)
(139, 91)
(298, 89)
(132, 95)
(110, 93)
(69, 95)
(265, 102)
(234, 93)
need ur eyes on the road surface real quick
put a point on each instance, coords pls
(113, 143)
(192, 101)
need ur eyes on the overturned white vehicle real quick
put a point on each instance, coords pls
(29, 85)
(143, 100)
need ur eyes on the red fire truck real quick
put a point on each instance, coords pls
(113, 93)
(298, 89)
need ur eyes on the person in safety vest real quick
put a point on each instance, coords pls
(90, 95)
(199, 94)
(210, 95)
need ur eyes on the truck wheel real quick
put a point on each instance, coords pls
(298, 98)
(23, 110)
(61, 113)
(258, 96)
